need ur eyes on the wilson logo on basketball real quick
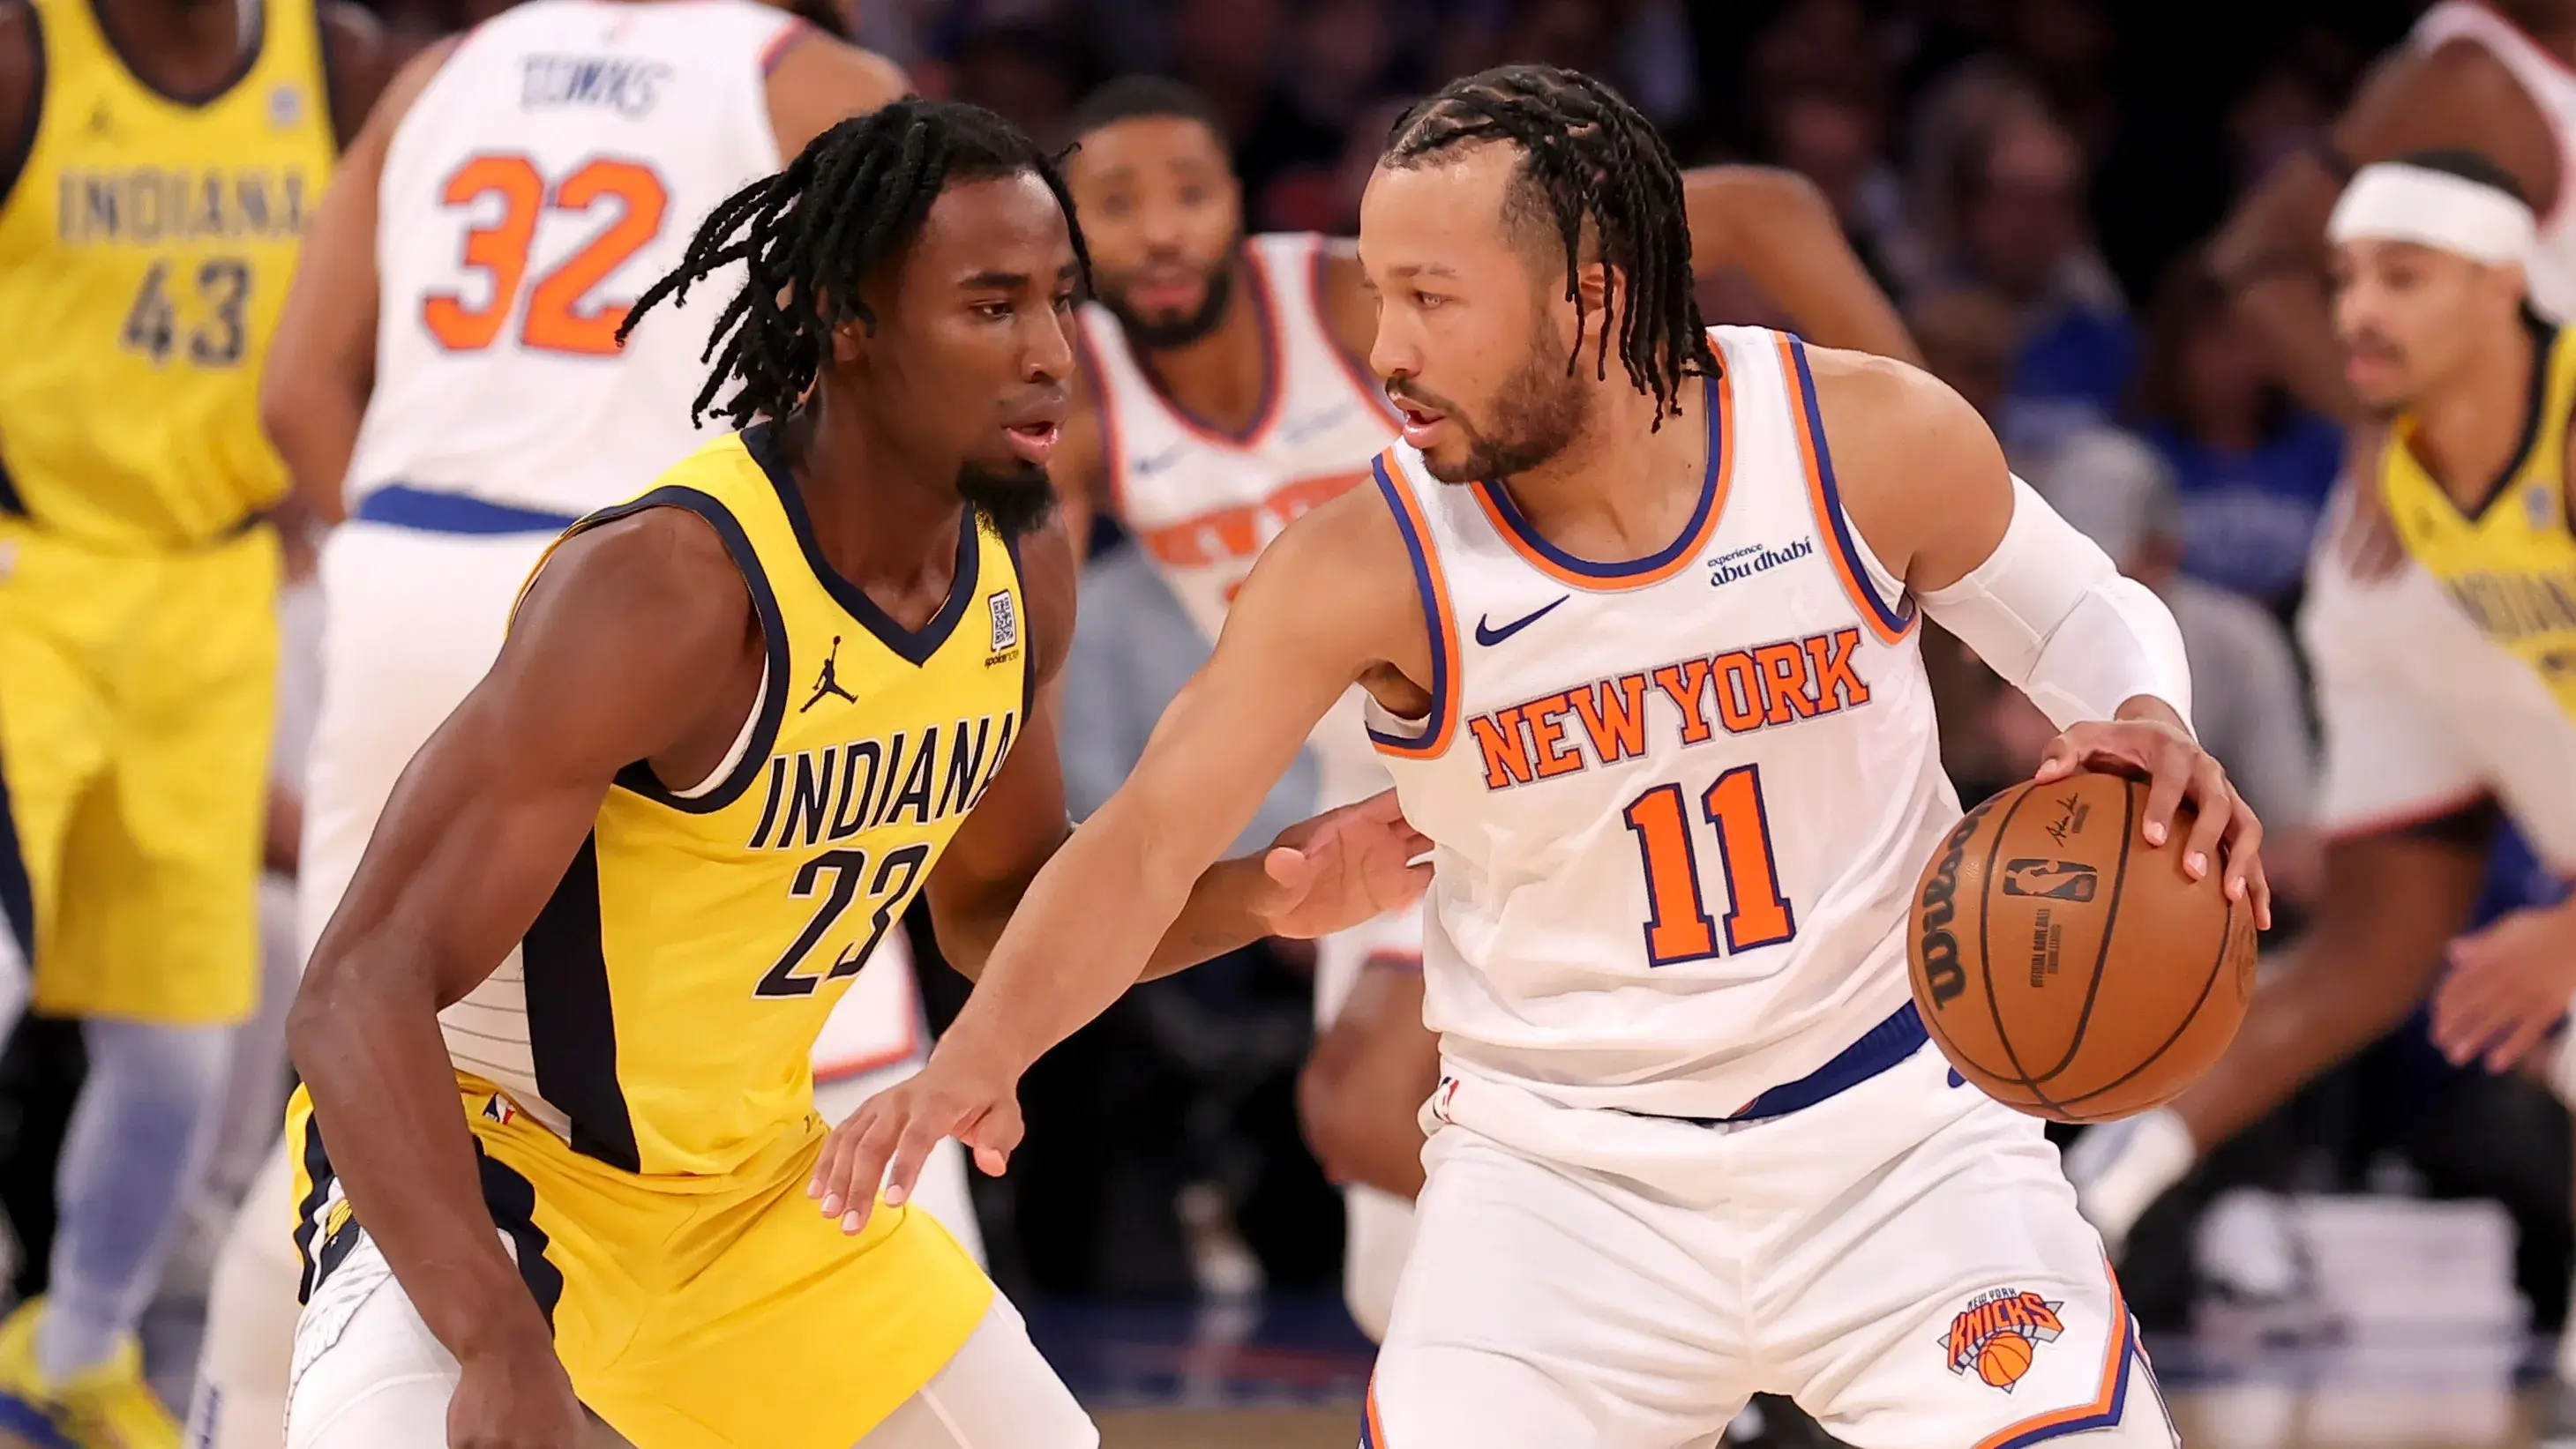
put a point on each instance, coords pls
(2052, 880)
(1939, 948)
(1999, 1333)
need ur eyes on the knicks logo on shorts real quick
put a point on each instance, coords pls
(2054, 880)
(1999, 1333)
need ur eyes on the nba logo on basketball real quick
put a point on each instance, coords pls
(1998, 1334)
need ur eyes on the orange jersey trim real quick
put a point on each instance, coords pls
(1597, 577)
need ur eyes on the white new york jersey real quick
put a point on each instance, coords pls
(1204, 503)
(2552, 87)
(551, 171)
(1679, 803)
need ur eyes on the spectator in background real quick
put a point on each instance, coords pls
(1836, 137)
(2253, 468)
(2016, 197)
(1970, 337)
(1028, 73)
(2245, 705)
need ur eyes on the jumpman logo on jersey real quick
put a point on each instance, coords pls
(830, 682)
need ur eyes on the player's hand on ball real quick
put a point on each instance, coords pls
(889, 1138)
(2148, 739)
(515, 1397)
(1344, 867)
(2507, 986)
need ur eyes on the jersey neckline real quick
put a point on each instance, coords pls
(1567, 568)
(253, 45)
(1274, 367)
(913, 646)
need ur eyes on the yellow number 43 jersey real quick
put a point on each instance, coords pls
(145, 250)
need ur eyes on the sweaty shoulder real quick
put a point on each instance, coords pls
(1911, 459)
(817, 82)
(637, 616)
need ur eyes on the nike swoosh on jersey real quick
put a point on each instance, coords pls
(1489, 636)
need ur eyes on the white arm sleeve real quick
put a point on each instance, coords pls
(2049, 613)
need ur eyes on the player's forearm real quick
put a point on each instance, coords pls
(2270, 258)
(1112, 907)
(1781, 232)
(2288, 313)
(384, 1097)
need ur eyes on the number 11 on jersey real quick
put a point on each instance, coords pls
(1678, 927)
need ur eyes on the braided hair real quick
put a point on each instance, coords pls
(1600, 172)
(811, 234)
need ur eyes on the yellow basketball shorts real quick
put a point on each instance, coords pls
(137, 696)
(694, 1313)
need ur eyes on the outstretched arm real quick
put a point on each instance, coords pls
(610, 661)
(1315, 613)
(1925, 484)
(1779, 229)
(1018, 825)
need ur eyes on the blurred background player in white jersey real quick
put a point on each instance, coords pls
(449, 380)
(2447, 689)
(2497, 77)
(1226, 395)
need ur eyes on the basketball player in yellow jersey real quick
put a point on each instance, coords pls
(739, 723)
(161, 157)
(2447, 691)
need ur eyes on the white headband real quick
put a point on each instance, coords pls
(2392, 201)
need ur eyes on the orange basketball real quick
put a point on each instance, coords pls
(2004, 1359)
(2068, 968)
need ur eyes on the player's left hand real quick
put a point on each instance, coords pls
(960, 1092)
(2149, 739)
(1344, 867)
(2508, 985)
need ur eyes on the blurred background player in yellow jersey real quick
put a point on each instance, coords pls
(2447, 691)
(163, 156)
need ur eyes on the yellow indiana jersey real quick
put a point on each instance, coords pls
(2510, 564)
(675, 983)
(145, 248)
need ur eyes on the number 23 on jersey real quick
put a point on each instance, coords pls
(511, 196)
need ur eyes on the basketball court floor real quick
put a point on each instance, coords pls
(1288, 1374)
(1290, 1377)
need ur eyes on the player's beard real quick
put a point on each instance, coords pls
(1534, 417)
(1014, 497)
(1170, 332)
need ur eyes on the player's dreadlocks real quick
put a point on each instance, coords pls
(811, 234)
(1603, 175)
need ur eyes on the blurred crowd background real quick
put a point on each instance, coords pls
(2031, 180)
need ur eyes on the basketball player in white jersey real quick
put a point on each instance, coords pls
(1225, 397)
(2497, 77)
(447, 376)
(2447, 691)
(1690, 1143)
